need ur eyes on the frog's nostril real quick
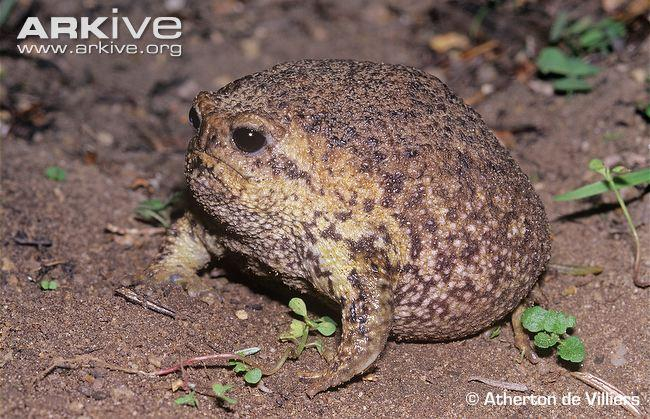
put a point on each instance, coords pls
(207, 141)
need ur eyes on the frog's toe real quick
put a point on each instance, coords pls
(322, 383)
(311, 375)
(190, 282)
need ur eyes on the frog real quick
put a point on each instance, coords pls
(371, 185)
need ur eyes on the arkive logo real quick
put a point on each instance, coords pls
(113, 28)
(162, 27)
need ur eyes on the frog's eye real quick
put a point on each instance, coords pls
(195, 119)
(248, 140)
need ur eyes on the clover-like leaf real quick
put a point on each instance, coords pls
(545, 340)
(557, 322)
(533, 319)
(571, 349)
(253, 376)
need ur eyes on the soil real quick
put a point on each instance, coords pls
(117, 124)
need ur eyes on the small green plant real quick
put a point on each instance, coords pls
(569, 72)
(188, 400)
(49, 285)
(55, 173)
(582, 36)
(550, 329)
(299, 329)
(615, 179)
(220, 392)
(585, 35)
(157, 211)
(495, 332)
(252, 375)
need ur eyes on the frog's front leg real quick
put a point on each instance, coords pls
(367, 312)
(188, 247)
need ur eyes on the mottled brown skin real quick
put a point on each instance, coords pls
(378, 188)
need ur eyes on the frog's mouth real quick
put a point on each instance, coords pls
(207, 163)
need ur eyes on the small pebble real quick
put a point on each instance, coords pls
(156, 361)
(241, 314)
(639, 75)
(105, 139)
(618, 357)
(76, 407)
(121, 392)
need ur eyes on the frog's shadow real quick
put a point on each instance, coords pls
(274, 288)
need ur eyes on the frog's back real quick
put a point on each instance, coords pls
(476, 230)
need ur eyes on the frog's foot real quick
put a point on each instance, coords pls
(367, 319)
(182, 254)
(161, 274)
(522, 342)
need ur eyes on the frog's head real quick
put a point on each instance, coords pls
(245, 166)
(314, 142)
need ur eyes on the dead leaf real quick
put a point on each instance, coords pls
(141, 183)
(481, 49)
(447, 41)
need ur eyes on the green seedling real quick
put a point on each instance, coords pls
(585, 35)
(252, 375)
(299, 329)
(49, 285)
(157, 211)
(615, 179)
(220, 392)
(568, 70)
(495, 332)
(188, 400)
(55, 173)
(550, 329)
